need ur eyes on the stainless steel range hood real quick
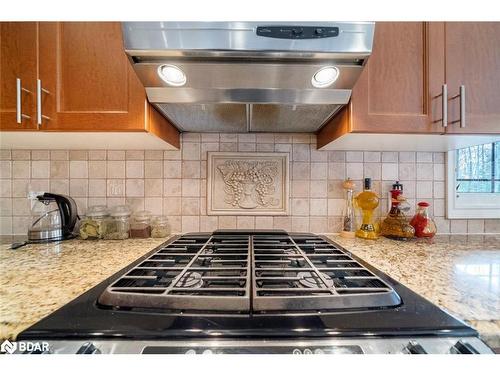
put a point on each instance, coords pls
(248, 76)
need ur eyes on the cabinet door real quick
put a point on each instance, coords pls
(473, 60)
(18, 60)
(398, 91)
(90, 82)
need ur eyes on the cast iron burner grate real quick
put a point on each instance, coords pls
(249, 272)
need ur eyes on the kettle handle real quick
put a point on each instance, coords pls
(68, 209)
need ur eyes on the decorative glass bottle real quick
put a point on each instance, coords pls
(348, 221)
(367, 201)
(422, 222)
(396, 225)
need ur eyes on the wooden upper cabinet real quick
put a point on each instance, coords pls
(18, 60)
(90, 82)
(86, 81)
(473, 60)
(398, 90)
(400, 84)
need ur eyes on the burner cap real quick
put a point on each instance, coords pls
(312, 280)
(190, 280)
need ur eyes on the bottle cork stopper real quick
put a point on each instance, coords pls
(348, 184)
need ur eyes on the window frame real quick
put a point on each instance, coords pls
(468, 205)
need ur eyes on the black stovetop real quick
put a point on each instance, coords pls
(84, 317)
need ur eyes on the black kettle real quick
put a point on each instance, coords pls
(53, 218)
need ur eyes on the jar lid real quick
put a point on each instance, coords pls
(120, 211)
(99, 210)
(423, 204)
(142, 215)
(160, 219)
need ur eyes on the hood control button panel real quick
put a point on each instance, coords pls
(298, 32)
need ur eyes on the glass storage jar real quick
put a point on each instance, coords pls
(140, 225)
(117, 226)
(92, 227)
(160, 227)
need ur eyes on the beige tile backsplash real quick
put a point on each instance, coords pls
(173, 183)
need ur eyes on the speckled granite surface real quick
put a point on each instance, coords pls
(460, 274)
(36, 280)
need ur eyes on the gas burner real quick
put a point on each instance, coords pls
(190, 280)
(312, 280)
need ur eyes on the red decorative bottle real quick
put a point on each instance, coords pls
(422, 222)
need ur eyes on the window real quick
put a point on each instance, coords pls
(478, 169)
(474, 182)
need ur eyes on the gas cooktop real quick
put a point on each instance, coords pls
(257, 291)
(243, 272)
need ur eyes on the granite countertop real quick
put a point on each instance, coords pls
(461, 274)
(36, 280)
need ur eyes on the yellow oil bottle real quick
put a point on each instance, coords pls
(367, 201)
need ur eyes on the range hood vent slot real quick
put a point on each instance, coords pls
(224, 118)
(241, 118)
(290, 118)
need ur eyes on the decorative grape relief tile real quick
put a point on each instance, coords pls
(253, 183)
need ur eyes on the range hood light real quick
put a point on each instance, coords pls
(325, 76)
(172, 75)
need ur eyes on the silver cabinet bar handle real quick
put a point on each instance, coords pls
(461, 96)
(462, 106)
(18, 101)
(19, 108)
(444, 93)
(39, 114)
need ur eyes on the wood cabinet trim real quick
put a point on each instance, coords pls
(159, 126)
(338, 126)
